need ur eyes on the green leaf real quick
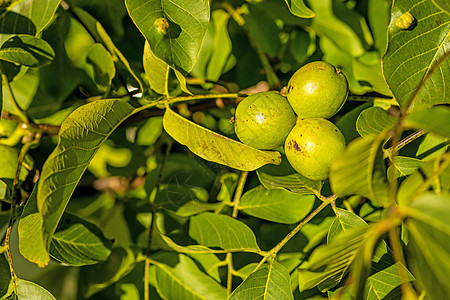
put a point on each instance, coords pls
(214, 230)
(373, 121)
(155, 70)
(100, 67)
(77, 242)
(26, 50)
(31, 242)
(344, 221)
(327, 23)
(178, 277)
(443, 4)
(361, 171)
(403, 166)
(214, 147)
(27, 290)
(413, 52)
(109, 13)
(5, 275)
(98, 277)
(295, 183)
(40, 12)
(270, 281)
(9, 158)
(347, 124)
(276, 205)
(329, 263)
(12, 23)
(80, 136)
(299, 8)
(210, 263)
(429, 231)
(174, 29)
(433, 120)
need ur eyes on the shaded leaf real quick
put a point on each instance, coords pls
(178, 277)
(413, 52)
(12, 23)
(214, 230)
(361, 171)
(295, 183)
(215, 147)
(433, 120)
(5, 275)
(26, 50)
(298, 8)
(174, 29)
(100, 66)
(429, 231)
(270, 281)
(77, 242)
(30, 290)
(80, 136)
(329, 263)
(98, 277)
(373, 121)
(276, 205)
(155, 70)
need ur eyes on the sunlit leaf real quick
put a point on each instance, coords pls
(403, 166)
(276, 205)
(100, 66)
(298, 8)
(295, 183)
(31, 242)
(344, 221)
(433, 120)
(361, 171)
(155, 70)
(270, 281)
(26, 50)
(178, 277)
(214, 230)
(77, 242)
(40, 12)
(80, 136)
(413, 52)
(443, 4)
(373, 121)
(30, 290)
(174, 29)
(215, 147)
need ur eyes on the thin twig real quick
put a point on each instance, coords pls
(413, 136)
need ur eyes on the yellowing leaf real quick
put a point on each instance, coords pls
(215, 147)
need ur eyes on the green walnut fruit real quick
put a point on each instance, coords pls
(263, 120)
(317, 90)
(312, 145)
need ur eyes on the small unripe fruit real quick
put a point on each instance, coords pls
(317, 90)
(312, 145)
(263, 120)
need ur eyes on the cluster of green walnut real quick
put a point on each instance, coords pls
(267, 120)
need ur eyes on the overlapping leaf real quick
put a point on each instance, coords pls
(361, 171)
(373, 121)
(26, 50)
(214, 230)
(276, 205)
(77, 242)
(298, 8)
(178, 277)
(433, 120)
(81, 135)
(40, 12)
(174, 28)
(270, 281)
(215, 147)
(155, 70)
(295, 183)
(414, 51)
